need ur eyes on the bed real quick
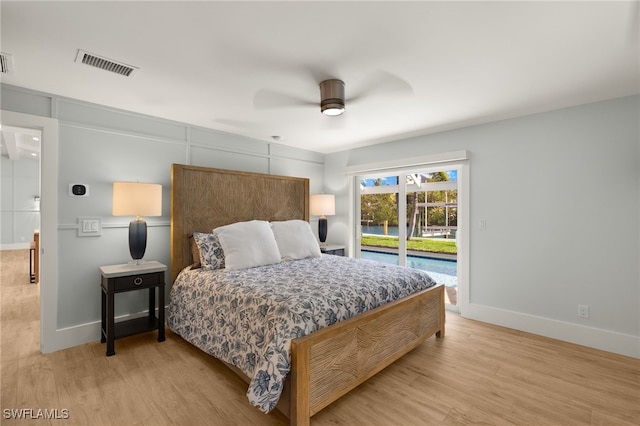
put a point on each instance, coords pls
(332, 358)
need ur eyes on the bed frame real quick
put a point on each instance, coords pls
(330, 362)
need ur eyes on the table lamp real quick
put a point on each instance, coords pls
(323, 205)
(137, 199)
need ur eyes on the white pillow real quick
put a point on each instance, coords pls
(295, 239)
(248, 244)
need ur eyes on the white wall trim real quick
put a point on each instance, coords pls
(80, 334)
(408, 163)
(462, 236)
(74, 336)
(610, 341)
(122, 132)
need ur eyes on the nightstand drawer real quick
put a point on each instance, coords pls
(132, 282)
(334, 249)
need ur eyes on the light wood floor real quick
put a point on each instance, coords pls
(477, 374)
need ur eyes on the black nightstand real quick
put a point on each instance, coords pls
(335, 249)
(128, 277)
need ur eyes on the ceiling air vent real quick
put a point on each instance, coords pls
(105, 64)
(6, 63)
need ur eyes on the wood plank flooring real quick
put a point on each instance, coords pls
(477, 374)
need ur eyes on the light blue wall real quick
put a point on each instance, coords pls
(560, 193)
(98, 145)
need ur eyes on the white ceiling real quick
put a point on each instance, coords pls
(19, 143)
(416, 67)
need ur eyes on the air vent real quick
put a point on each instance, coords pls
(6, 63)
(105, 64)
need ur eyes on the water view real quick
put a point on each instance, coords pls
(442, 271)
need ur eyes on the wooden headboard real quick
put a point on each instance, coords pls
(203, 199)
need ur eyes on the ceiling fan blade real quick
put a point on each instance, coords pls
(270, 99)
(381, 83)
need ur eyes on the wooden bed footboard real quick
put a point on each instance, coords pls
(330, 362)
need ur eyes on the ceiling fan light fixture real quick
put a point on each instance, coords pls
(332, 97)
(332, 109)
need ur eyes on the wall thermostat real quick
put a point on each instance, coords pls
(78, 190)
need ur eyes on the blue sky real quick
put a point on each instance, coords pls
(391, 180)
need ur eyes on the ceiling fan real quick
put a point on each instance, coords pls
(332, 94)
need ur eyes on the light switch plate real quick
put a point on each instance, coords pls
(89, 226)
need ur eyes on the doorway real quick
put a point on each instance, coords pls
(48, 220)
(20, 199)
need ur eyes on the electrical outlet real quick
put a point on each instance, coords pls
(483, 224)
(583, 311)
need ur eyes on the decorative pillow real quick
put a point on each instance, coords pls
(211, 253)
(295, 239)
(195, 253)
(248, 244)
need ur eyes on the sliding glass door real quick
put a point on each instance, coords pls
(410, 218)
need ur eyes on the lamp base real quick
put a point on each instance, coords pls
(322, 229)
(137, 239)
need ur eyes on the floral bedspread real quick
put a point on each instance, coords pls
(248, 317)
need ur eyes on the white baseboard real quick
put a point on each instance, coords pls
(610, 341)
(71, 336)
(80, 334)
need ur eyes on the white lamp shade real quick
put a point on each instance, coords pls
(323, 205)
(137, 199)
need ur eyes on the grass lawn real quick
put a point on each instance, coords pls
(418, 244)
